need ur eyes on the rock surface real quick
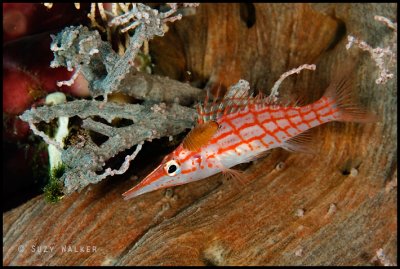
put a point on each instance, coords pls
(338, 207)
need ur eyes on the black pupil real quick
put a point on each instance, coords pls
(171, 168)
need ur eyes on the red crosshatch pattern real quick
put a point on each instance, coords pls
(273, 121)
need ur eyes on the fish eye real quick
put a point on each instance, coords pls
(172, 168)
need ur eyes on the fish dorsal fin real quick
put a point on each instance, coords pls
(236, 98)
(200, 135)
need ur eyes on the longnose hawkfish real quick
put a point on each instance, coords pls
(241, 128)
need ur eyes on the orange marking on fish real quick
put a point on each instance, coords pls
(187, 171)
(200, 135)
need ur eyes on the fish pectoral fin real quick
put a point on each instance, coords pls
(301, 143)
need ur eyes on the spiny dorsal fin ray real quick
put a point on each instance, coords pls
(200, 135)
(237, 97)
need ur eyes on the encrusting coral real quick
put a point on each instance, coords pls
(83, 51)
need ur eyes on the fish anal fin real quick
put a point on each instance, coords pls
(303, 143)
(200, 135)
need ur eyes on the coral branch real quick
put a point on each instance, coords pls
(274, 91)
(380, 255)
(87, 108)
(377, 55)
(92, 17)
(106, 72)
(82, 49)
(159, 89)
(83, 161)
(71, 80)
(388, 22)
(383, 57)
(45, 137)
(98, 127)
(122, 66)
(124, 167)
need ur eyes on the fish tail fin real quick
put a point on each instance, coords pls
(344, 107)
